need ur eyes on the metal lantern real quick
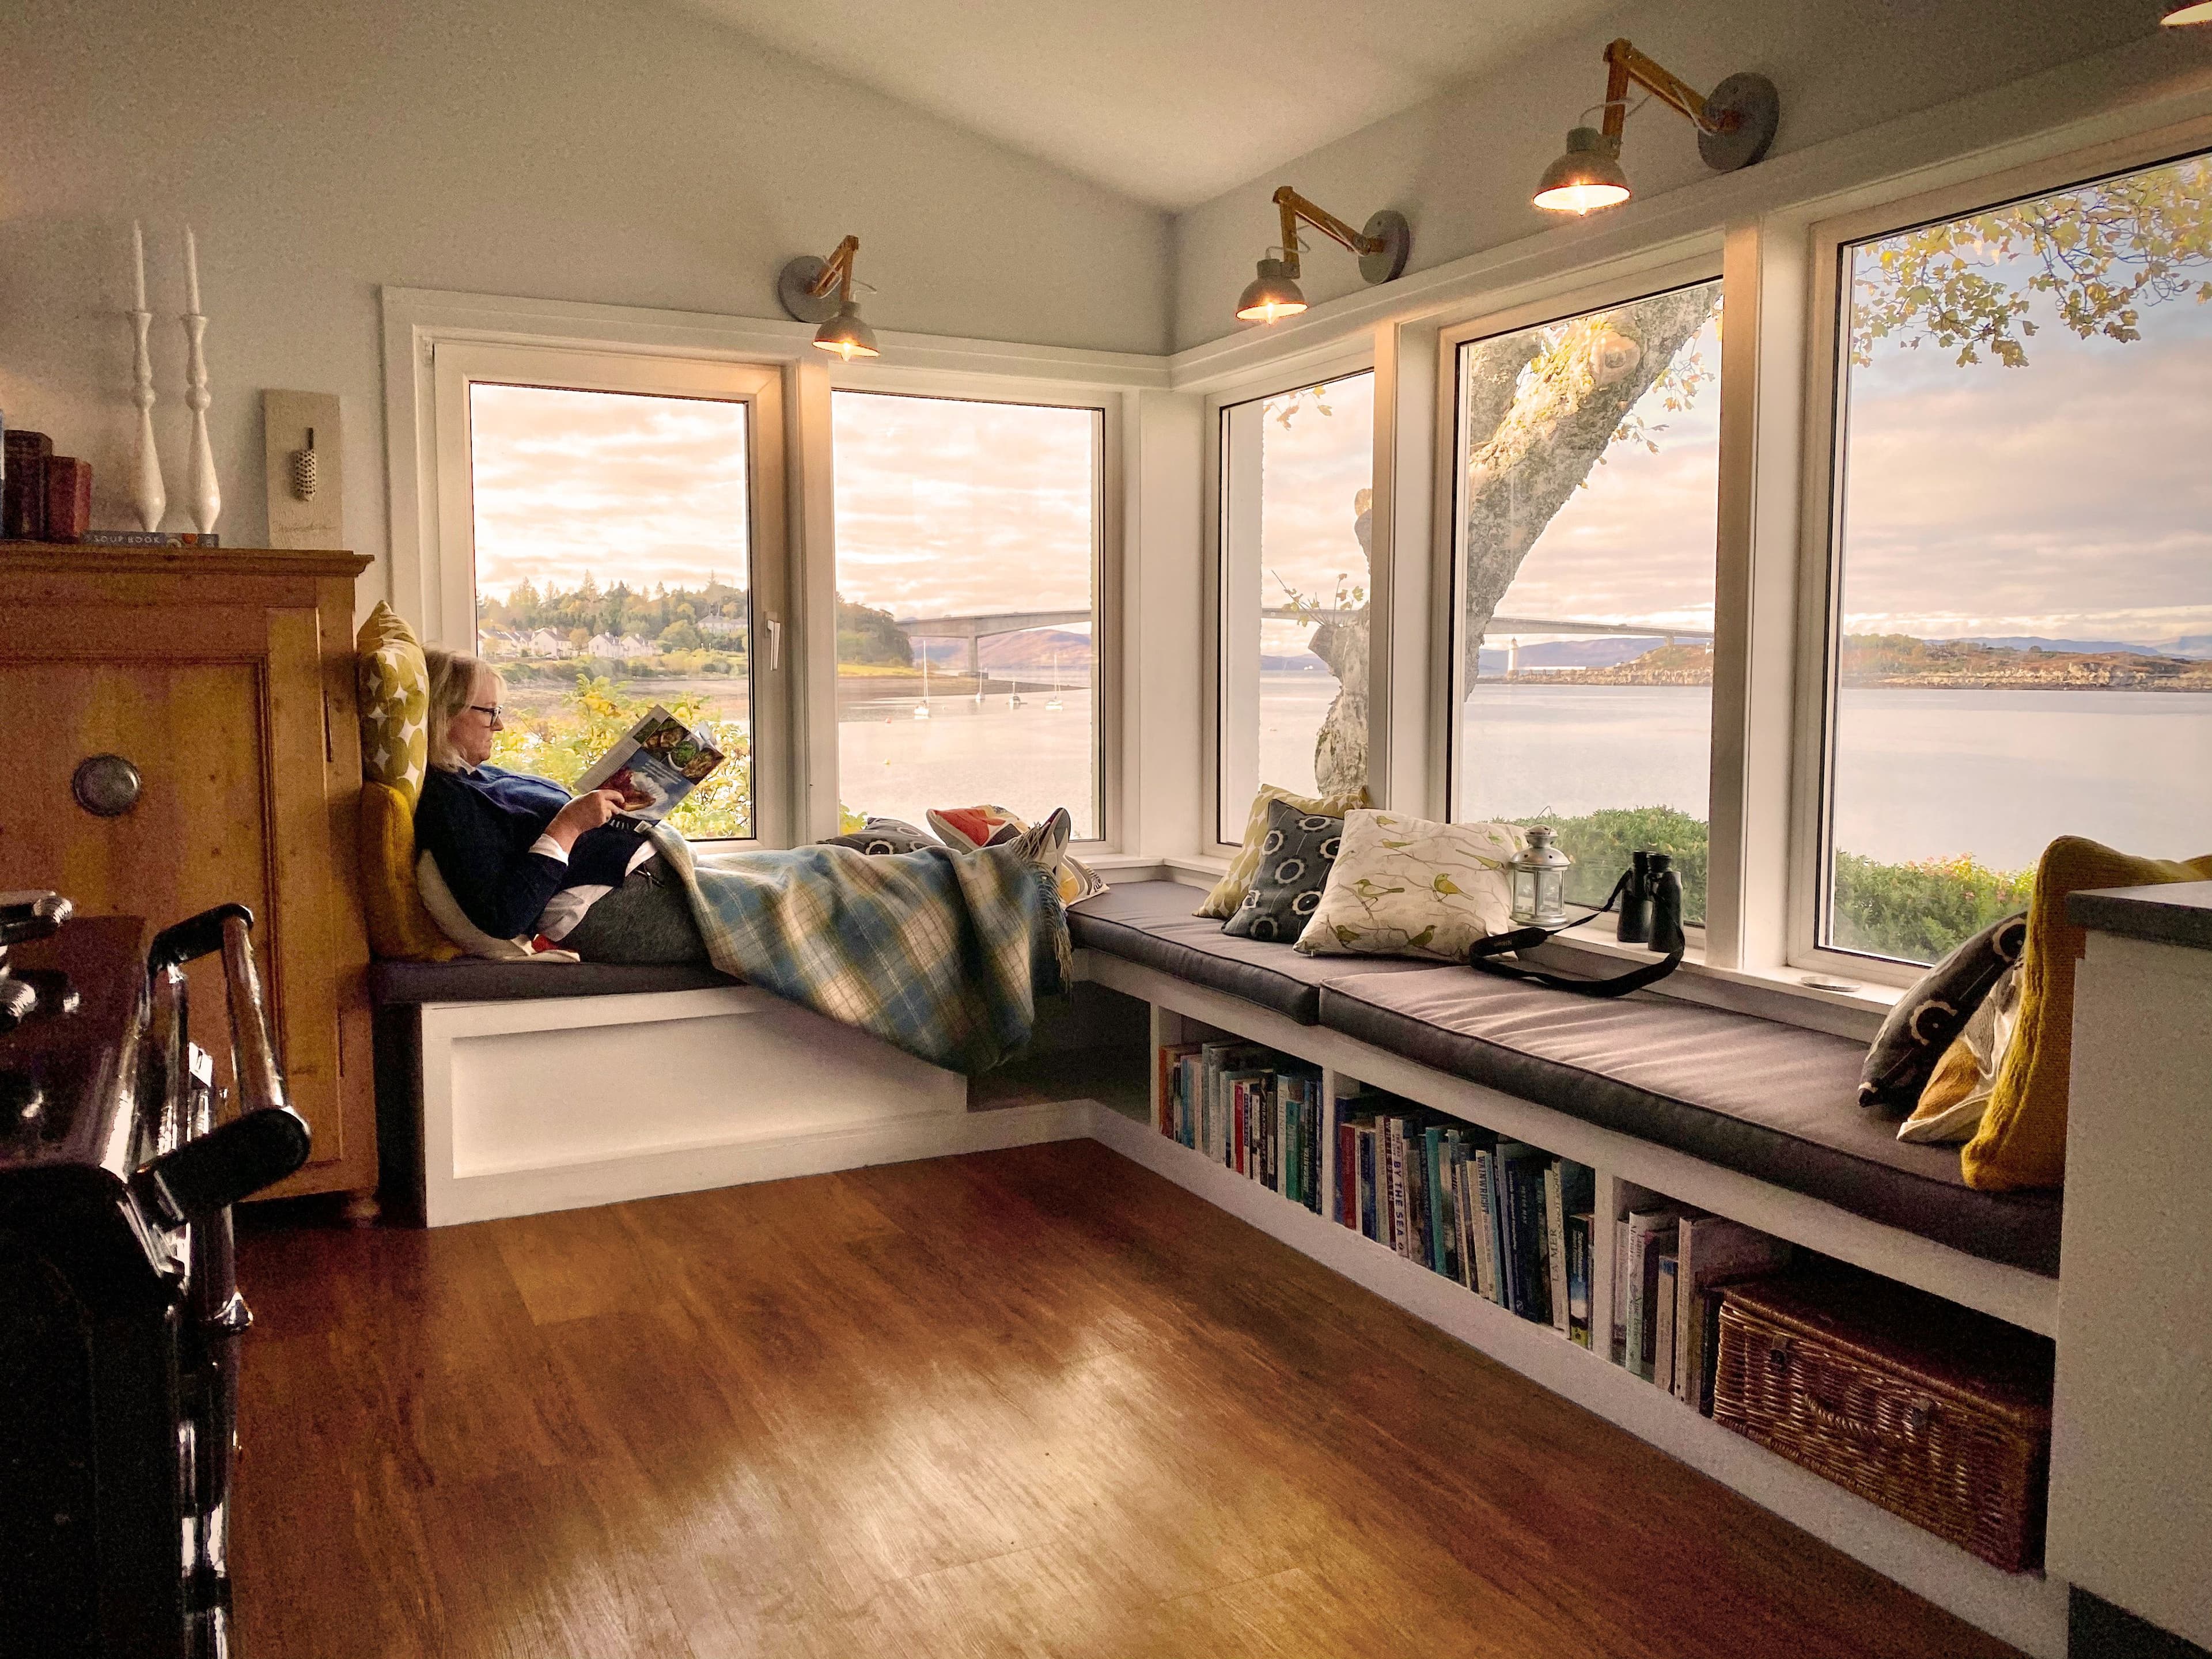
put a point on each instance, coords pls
(1540, 880)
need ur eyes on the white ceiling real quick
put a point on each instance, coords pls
(1168, 101)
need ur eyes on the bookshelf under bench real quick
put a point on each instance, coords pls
(2027, 1609)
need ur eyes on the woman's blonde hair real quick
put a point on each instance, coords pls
(453, 688)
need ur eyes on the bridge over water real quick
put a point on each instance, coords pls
(976, 629)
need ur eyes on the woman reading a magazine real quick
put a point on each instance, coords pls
(523, 858)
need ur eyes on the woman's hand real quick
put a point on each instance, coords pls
(584, 813)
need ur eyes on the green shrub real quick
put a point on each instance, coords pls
(1600, 844)
(1918, 911)
(1915, 912)
(560, 742)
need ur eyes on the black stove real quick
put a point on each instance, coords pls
(119, 1315)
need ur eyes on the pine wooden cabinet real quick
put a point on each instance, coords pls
(226, 678)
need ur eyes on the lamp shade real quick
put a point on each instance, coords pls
(2189, 11)
(846, 335)
(1587, 176)
(1270, 296)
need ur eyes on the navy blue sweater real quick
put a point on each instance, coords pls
(479, 826)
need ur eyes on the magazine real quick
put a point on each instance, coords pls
(655, 764)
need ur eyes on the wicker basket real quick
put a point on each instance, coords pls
(1936, 1413)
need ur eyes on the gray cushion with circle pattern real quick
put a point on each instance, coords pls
(884, 837)
(1295, 859)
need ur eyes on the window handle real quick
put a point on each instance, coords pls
(775, 644)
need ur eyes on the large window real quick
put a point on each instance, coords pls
(968, 558)
(2022, 643)
(1296, 474)
(613, 536)
(1587, 502)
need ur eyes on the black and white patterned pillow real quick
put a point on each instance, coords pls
(884, 837)
(1295, 859)
(1928, 1018)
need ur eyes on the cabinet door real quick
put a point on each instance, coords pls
(221, 713)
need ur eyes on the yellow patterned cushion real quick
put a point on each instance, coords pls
(395, 703)
(2022, 1139)
(399, 928)
(1229, 892)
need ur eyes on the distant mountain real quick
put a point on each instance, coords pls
(2189, 645)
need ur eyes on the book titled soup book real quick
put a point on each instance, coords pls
(654, 766)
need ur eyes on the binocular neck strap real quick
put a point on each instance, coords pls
(1484, 953)
(1483, 956)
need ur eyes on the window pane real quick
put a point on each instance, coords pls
(614, 570)
(1588, 480)
(966, 552)
(1295, 471)
(2025, 553)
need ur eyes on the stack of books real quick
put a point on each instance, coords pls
(1507, 1220)
(1670, 1266)
(1249, 1109)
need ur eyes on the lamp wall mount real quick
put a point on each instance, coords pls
(1383, 243)
(811, 289)
(1736, 123)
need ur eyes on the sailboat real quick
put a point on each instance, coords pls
(1052, 703)
(921, 709)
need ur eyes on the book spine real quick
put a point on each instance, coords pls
(1417, 1196)
(1620, 1272)
(1555, 1244)
(1370, 1219)
(1286, 1150)
(23, 485)
(1638, 1248)
(1534, 1264)
(1392, 1198)
(1483, 1223)
(1663, 1336)
(1432, 1141)
(1347, 1176)
(68, 498)
(1578, 1278)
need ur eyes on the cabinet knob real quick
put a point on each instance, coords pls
(105, 785)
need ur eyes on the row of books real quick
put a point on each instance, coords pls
(1670, 1265)
(1249, 1109)
(1507, 1220)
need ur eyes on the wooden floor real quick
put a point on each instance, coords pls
(1033, 1402)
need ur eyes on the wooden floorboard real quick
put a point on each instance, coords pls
(1031, 1402)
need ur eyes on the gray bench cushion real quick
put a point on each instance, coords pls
(395, 984)
(1770, 1100)
(1151, 922)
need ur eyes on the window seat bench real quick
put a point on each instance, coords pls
(1775, 1102)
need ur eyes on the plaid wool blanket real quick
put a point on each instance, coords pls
(942, 954)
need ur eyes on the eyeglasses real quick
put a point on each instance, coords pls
(495, 711)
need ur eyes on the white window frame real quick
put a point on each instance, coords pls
(1562, 302)
(418, 324)
(1341, 362)
(1819, 586)
(1110, 763)
(457, 366)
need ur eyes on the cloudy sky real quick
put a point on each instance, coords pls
(2070, 498)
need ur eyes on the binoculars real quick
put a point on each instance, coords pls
(1651, 904)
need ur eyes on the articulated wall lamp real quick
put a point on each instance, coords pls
(1382, 246)
(1735, 127)
(806, 287)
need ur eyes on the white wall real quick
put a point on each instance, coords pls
(618, 151)
(1462, 166)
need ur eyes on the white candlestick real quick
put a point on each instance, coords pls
(148, 497)
(199, 480)
(138, 263)
(191, 273)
